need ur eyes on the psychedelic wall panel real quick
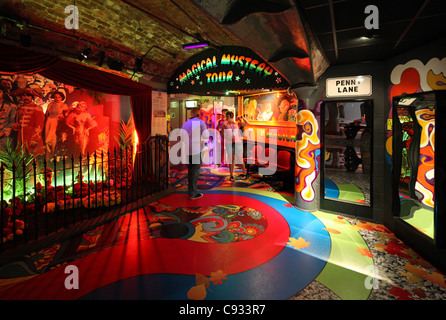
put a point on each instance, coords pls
(412, 77)
(307, 165)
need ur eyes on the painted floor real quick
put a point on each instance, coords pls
(241, 241)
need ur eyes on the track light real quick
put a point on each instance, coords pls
(138, 65)
(101, 58)
(115, 64)
(84, 54)
(196, 45)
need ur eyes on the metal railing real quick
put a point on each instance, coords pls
(66, 191)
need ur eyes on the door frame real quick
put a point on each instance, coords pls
(346, 208)
(434, 250)
(406, 230)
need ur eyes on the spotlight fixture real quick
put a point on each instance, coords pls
(84, 54)
(115, 64)
(370, 36)
(195, 45)
(138, 65)
(101, 58)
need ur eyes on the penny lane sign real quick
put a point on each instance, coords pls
(349, 86)
(226, 68)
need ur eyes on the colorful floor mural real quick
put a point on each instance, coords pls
(346, 192)
(418, 215)
(243, 240)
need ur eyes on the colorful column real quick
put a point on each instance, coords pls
(307, 166)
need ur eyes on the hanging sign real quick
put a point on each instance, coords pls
(349, 86)
(223, 69)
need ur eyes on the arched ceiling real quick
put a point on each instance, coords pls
(299, 38)
(156, 31)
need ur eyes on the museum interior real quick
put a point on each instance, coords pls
(319, 178)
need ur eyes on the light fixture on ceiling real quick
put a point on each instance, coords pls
(84, 54)
(194, 45)
(115, 64)
(369, 36)
(24, 37)
(138, 65)
(101, 58)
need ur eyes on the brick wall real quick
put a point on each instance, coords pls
(129, 26)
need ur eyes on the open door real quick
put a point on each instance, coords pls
(346, 157)
(419, 167)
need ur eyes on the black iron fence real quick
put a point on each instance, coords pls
(37, 200)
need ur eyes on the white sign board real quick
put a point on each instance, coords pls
(159, 113)
(349, 86)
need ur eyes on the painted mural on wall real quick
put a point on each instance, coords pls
(270, 107)
(48, 119)
(425, 176)
(414, 77)
(307, 156)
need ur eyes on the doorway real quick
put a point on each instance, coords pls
(175, 114)
(346, 157)
(418, 192)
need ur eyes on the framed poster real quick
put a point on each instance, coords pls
(159, 113)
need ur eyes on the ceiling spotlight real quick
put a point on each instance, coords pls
(115, 64)
(196, 45)
(84, 54)
(101, 58)
(22, 25)
(138, 65)
(369, 36)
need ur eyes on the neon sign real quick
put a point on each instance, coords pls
(229, 68)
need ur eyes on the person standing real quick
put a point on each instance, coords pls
(242, 122)
(6, 85)
(194, 127)
(55, 113)
(81, 122)
(234, 145)
(30, 122)
(221, 123)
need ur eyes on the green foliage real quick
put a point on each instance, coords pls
(125, 133)
(15, 157)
